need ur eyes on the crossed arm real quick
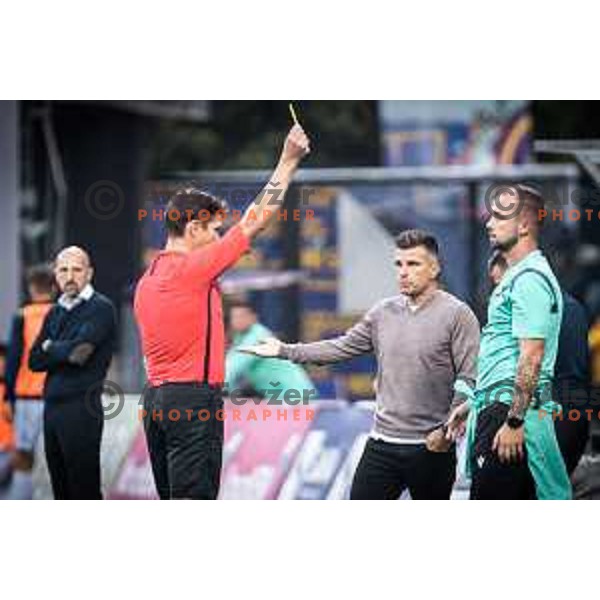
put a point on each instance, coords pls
(47, 354)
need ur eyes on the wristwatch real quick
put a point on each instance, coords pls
(515, 422)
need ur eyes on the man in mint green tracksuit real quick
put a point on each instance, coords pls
(512, 447)
(262, 374)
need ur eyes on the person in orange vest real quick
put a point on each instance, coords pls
(24, 387)
(6, 431)
(594, 342)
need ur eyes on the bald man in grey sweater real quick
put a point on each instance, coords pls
(426, 343)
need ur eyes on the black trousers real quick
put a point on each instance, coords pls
(184, 433)
(572, 436)
(385, 470)
(72, 437)
(492, 479)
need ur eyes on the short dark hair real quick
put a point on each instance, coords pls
(411, 238)
(41, 278)
(241, 303)
(497, 259)
(189, 204)
(3, 350)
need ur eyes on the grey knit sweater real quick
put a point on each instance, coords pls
(420, 355)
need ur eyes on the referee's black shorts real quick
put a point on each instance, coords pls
(184, 432)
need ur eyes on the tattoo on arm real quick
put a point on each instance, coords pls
(528, 370)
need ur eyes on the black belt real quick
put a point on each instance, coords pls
(217, 387)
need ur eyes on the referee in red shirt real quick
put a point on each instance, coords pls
(178, 309)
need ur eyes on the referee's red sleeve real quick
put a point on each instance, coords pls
(210, 261)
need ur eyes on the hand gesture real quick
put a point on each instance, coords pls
(456, 423)
(436, 441)
(509, 443)
(296, 146)
(267, 348)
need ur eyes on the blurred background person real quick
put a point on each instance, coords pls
(497, 266)
(6, 432)
(256, 373)
(594, 339)
(25, 388)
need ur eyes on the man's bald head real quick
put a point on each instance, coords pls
(74, 252)
(73, 270)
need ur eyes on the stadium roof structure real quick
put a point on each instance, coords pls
(585, 152)
(183, 110)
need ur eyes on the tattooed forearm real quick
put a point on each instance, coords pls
(528, 370)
